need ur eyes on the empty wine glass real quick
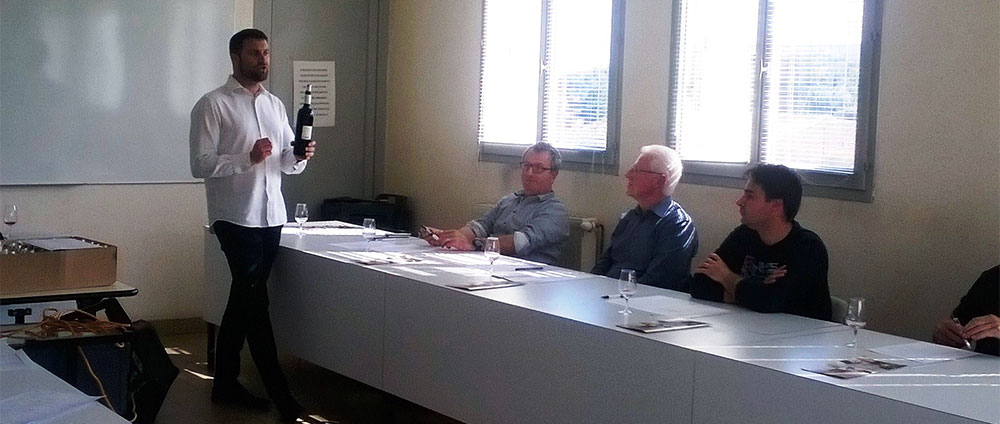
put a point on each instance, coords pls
(626, 287)
(856, 318)
(301, 215)
(368, 232)
(492, 251)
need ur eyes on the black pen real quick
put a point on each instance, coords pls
(609, 296)
(529, 268)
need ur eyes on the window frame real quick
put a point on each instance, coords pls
(595, 161)
(857, 186)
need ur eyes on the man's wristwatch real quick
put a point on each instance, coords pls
(479, 243)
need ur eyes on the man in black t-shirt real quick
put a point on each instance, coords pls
(977, 316)
(770, 263)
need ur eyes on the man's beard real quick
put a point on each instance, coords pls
(255, 73)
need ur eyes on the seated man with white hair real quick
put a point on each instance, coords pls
(657, 238)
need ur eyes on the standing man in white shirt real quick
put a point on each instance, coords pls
(240, 144)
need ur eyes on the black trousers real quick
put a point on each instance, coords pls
(250, 253)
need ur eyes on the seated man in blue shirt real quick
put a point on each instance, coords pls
(657, 238)
(531, 223)
(770, 263)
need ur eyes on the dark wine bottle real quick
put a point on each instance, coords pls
(303, 125)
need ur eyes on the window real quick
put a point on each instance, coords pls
(558, 83)
(790, 82)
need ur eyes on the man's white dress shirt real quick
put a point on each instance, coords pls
(225, 123)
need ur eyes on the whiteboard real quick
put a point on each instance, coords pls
(101, 91)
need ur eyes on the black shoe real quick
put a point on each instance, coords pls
(236, 395)
(290, 410)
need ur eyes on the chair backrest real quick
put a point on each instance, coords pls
(389, 211)
(839, 308)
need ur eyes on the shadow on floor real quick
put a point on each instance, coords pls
(328, 396)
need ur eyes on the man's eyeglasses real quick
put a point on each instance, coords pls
(633, 169)
(535, 168)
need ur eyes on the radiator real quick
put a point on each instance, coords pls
(586, 241)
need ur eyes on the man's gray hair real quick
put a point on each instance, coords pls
(542, 147)
(665, 161)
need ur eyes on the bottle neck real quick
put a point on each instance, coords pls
(309, 98)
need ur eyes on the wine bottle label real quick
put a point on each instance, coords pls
(307, 132)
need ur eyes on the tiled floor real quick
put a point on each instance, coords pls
(328, 396)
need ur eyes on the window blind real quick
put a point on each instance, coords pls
(509, 74)
(812, 59)
(549, 84)
(576, 67)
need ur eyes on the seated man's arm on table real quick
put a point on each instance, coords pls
(676, 245)
(459, 239)
(482, 227)
(949, 333)
(793, 287)
(718, 270)
(972, 309)
(548, 227)
(462, 238)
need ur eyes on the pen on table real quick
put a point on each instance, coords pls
(967, 344)
(529, 268)
(609, 296)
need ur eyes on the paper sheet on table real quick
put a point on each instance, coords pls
(468, 272)
(8, 357)
(377, 258)
(414, 271)
(383, 245)
(468, 258)
(38, 406)
(539, 276)
(61, 243)
(923, 352)
(320, 231)
(670, 307)
(861, 366)
(326, 224)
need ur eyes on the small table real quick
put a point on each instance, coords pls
(90, 299)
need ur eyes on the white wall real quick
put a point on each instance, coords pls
(931, 229)
(156, 227)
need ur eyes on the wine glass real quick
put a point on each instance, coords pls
(626, 287)
(368, 231)
(856, 318)
(301, 215)
(492, 251)
(10, 218)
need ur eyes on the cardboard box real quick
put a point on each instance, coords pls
(43, 270)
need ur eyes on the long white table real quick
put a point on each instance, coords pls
(550, 351)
